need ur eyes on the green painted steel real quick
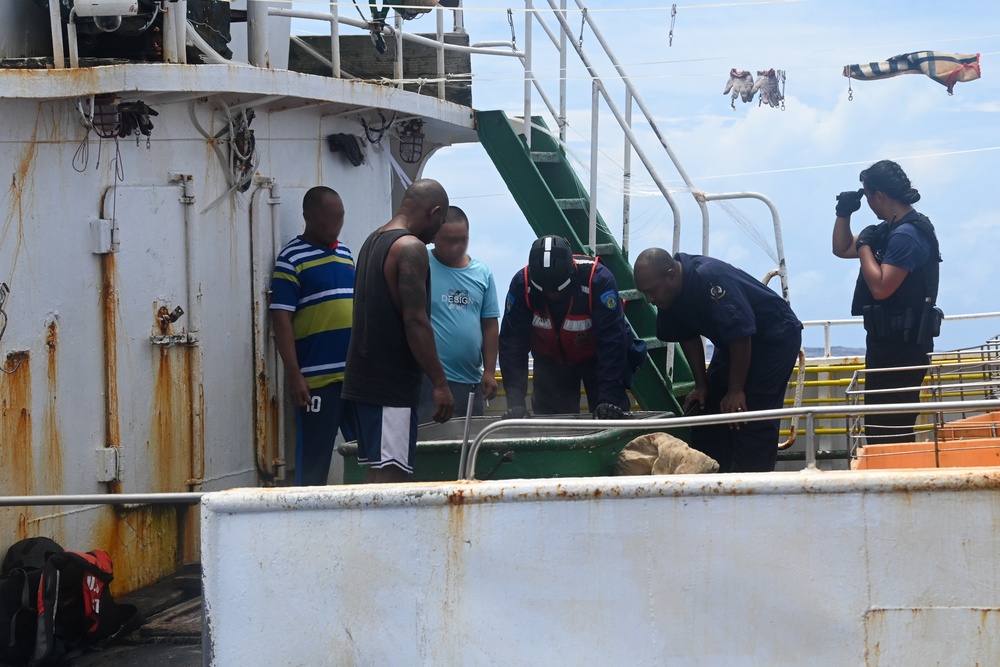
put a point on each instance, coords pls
(514, 454)
(547, 190)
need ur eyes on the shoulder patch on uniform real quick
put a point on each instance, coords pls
(610, 299)
(509, 302)
(716, 292)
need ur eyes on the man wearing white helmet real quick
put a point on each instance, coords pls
(565, 310)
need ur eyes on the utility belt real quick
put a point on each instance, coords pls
(907, 326)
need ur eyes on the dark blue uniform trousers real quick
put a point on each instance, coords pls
(753, 447)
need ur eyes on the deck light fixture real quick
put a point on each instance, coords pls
(107, 14)
(411, 141)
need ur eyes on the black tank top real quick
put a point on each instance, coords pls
(381, 369)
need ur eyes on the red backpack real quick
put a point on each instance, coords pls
(75, 607)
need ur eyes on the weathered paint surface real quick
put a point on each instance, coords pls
(818, 568)
(16, 456)
(92, 375)
(143, 542)
(51, 468)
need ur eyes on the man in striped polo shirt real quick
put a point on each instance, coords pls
(312, 298)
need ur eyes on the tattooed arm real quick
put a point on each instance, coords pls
(412, 268)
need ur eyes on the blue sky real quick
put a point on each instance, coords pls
(800, 157)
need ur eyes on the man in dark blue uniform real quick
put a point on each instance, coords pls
(756, 337)
(566, 311)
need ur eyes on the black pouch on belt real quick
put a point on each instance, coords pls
(930, 322)
(909, 326)
(880, 323)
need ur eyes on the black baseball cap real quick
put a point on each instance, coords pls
(550, 264)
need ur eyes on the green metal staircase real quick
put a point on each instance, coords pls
(553, 200)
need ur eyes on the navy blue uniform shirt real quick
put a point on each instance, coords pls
(724, 303)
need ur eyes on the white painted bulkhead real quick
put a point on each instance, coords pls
(99, 402)
(689, 570)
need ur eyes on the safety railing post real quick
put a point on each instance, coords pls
(335, 40)
(810, 440)
(169, 33)
(55, 21)
(562, 78)
(181, 25)
(528, 74)
(595, 115)
(440, 52)
(257, 33)
(398, 68)
(627, 177)
(459, 16)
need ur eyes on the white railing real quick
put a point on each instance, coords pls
(827, 325)
(470, 451)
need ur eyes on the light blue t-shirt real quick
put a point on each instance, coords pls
(460, 299)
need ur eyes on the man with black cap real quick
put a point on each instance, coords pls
(566, 311)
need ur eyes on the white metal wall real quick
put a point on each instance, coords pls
(54, 410)
(820, 568)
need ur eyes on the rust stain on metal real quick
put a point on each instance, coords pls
(162, 321)
(16, 459)
(265, 408)
(141, 541)
(262, 423)
(23, 519)
(52, 470)
(169, 444)
(457, 497)
(109, 309)
(84, 80)
(197, 428)
(189, 533)
(19, 181)
(275, 415)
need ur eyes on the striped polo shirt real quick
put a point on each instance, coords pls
(317, 284)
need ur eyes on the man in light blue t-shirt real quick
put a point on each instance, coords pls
(464, 314)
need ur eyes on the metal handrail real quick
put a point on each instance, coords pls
(857, 321)
(104, 499)
(336, 19)
(810, 413)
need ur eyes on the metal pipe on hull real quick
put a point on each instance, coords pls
(196, 385)
(268, 401)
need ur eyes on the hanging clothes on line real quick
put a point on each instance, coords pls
(768, 85)
(741, 84)
(945, 68)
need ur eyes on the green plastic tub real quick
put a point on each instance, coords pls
(518, 453)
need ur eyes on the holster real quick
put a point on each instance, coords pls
(930, 322)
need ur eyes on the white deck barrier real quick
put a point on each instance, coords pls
(817, 568)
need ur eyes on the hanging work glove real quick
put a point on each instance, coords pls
(610, 411)
(741, 85)
(767, 84)
(516, 412)
(848, 202)
(872, 235)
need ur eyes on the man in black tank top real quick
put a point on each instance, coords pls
(392, 342)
